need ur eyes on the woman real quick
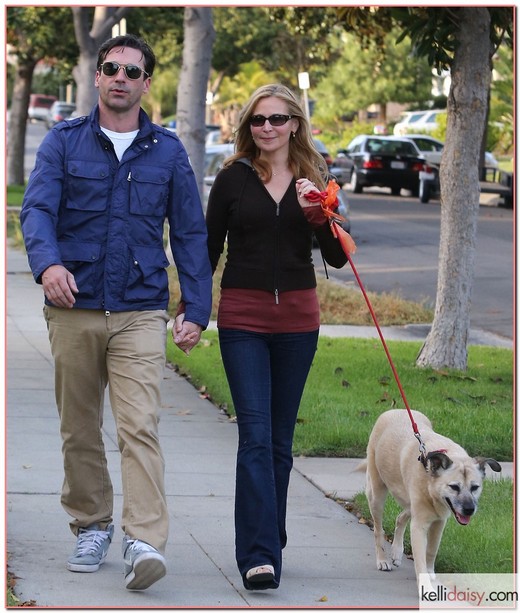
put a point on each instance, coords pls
(268, 317)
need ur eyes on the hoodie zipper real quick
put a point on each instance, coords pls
(277, 237)
(277, 254)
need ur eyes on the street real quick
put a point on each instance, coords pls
(397, 242)
(33, 137)
(397, 250)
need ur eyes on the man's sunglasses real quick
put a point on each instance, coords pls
(131, 70)
(275, 120)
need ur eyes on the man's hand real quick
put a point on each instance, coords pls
(59, 286)
(185, 334)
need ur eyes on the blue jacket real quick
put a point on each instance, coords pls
(104, 220)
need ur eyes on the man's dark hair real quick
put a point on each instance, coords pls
(132, 41)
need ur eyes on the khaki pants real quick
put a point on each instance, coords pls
(126, 351)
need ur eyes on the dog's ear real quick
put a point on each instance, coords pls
(493, 464)
(437, 460)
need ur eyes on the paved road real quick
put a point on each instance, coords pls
(398, 247)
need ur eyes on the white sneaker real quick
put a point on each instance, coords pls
(144, 565)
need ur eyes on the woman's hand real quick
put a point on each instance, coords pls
(185, 334)
(304, 187)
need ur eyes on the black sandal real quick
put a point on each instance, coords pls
(260, 577)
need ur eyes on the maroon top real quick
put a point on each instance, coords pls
(258, 311)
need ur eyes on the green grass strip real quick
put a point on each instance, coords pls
(351, 384)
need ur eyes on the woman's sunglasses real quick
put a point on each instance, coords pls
(275, 120)
(131, 70)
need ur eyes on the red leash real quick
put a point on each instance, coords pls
(396, 376)
(328, 201)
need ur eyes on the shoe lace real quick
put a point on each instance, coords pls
(89, 541)
(138, 546)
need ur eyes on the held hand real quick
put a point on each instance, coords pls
(185, 334)
(304, 188)
(59, 286)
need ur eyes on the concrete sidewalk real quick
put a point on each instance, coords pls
(329, 560)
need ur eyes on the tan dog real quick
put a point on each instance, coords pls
(448, 482)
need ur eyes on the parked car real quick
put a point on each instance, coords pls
(344, 210)
(213, 160)
(324, 151)
(341, 168)
(215, 156)
(431, 149)
(381, 161)
(213, 137)
(59, 111)
(39, 105)
(413, 121)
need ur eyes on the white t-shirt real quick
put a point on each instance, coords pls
(120, 140)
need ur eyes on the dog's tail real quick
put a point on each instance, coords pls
(362, 466)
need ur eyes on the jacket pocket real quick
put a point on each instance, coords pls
(87, 185)
(148, 191)
(81, 260)
(147, 277)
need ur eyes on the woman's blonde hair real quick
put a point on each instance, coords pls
(304, 158)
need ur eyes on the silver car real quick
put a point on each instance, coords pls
(213, 160)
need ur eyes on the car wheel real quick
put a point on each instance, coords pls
(395, 191)
(354, 183)
(424, 191)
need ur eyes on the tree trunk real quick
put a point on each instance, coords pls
(18, 121)
(199, 35)
(446, 344)
(89, 41)
(84, 74)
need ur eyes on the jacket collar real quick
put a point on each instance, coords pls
(146, 127)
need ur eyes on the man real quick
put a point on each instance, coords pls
(92, 219)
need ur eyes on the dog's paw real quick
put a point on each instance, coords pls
(397, 556)
(384, 565)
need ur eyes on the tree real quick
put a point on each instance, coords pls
(502, 102)
(34, 33)
(463, 40)
(446, 344)
(282, 41)
(237, 43)
(161, 98)
(303, 42)
(369, 75)
(162, 28)
(89, 38)
(191, 97)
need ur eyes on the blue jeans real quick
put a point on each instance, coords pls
(266, 375)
